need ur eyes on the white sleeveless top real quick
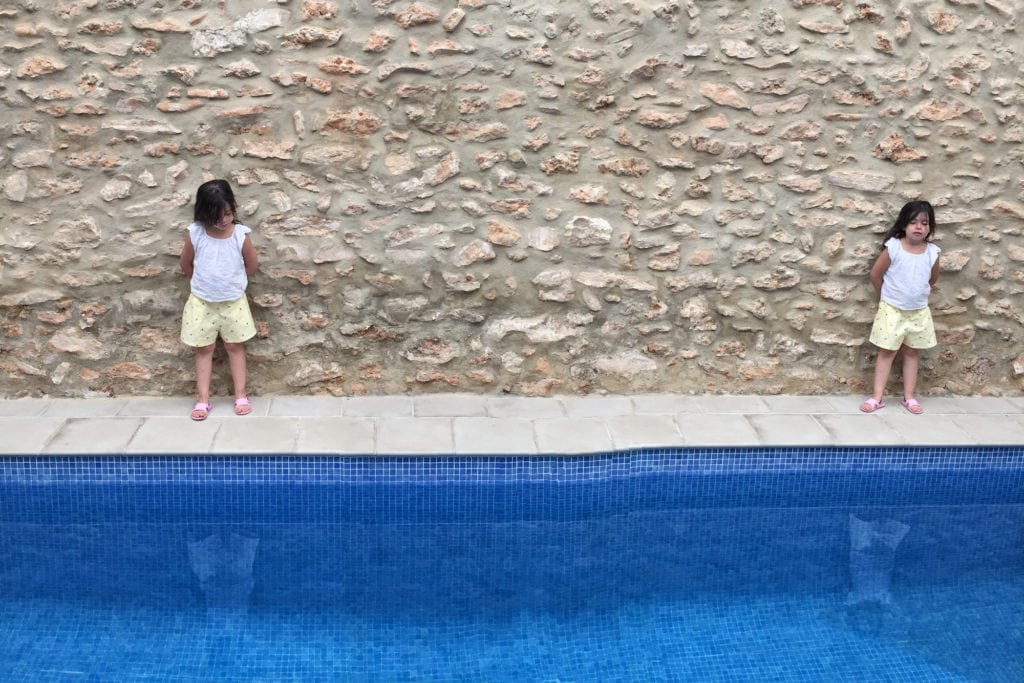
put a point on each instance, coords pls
(905, 283)
(218, 271)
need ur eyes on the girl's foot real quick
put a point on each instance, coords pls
(242, 406)
(913, 406)
(201, 410)
(871, 404)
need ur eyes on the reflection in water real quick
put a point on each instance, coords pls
(223, 563)
(560, 566)
(872, 558)
(374, 583)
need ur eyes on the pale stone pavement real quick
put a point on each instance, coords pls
(462, 424)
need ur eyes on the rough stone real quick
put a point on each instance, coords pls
(78, 343)
(490, 195)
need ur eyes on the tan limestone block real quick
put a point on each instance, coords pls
(723, 95)
(310, 36)
(78, 343)
(589, 194)
(359, 122)
(474, 252)
(180, 106)
(141, 23)
(35, 67)
(414, 15)
(318, 9)
(452, 20)
(127, 371)
(661, 119)
(502, 234)
(103, 28)
(338, 64)
(378, 41)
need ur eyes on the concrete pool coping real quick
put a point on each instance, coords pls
(471, 424)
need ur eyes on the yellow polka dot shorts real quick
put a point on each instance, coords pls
(202, 321)
(894, 327)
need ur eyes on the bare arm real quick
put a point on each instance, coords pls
(249, 257)
(188, 255)
(878, 270)
(935, 273)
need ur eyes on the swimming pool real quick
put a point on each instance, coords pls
(794, 564)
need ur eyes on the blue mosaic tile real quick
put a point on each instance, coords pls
(646, 565)
(500, 469)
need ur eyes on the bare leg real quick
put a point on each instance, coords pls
(236, 361)
(911, 362)
(204, 370)
(883, 366)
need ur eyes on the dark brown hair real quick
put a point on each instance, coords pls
(907, 213)
(212, 198)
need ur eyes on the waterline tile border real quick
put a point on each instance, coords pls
(498, 469)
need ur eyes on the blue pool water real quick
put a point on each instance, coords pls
(669, 565)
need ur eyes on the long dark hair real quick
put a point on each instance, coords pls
(907, 213)
(212, 198)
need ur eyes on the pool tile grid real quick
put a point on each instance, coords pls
(635, 435)
(463, 424)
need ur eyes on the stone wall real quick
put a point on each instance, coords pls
(505, 195)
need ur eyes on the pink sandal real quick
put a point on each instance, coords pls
(242, 406)
(912, 406)
(871, 404)
(200, 411)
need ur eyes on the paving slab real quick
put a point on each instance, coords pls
(928, 429)
(377, 406)
(84, 407)
(1017, 402)
(415, 436)
(468, 424)
(22, 436)
(23, 407)
(789, 430)
(737, 405)
(170, 435)
(304, 406)
(640, 431)
(154, 406)
(449, 406)
(494, 436)
(798, 405)
(601, 406)
(665, 404)
(573, 436)
(986, 405)
(935, 405)
(860, 429)
(253, 434)
(94, 435)
(717, 430)
(843, 405)
(335, 435)
(526, 407)
(998, 429)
